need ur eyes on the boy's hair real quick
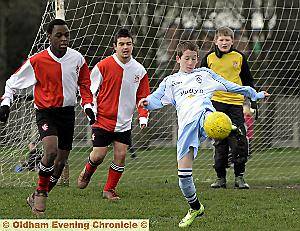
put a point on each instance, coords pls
(123, 32)
(186, 45)
(53, 23)
(224, 31)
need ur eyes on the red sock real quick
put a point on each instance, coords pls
(112, 179)
(43, 183)
(90, 168)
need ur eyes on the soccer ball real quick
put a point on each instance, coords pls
(217, 125)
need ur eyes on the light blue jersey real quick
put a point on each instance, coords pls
(190, 93)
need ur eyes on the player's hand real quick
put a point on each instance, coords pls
(142, 126)
(143, 102)
(266, 93)
(90, 115)
(4, 113)
(254, 109)
(143, 122)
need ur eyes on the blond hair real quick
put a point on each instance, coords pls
(224, 31)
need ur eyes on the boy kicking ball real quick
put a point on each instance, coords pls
(189, 91)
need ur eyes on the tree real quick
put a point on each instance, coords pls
(19, 23)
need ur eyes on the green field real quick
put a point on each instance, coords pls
(149, 190)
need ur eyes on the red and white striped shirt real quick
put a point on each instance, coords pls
(118, 87)
(55, 80)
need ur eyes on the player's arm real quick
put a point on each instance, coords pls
(247, 91)
(245, 74)
(142, 92)
(84, 84)
(160, 97)
(248, 80)
(23, 78)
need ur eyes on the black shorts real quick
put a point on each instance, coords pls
(103, 138)
(235, 112)
(57, 122)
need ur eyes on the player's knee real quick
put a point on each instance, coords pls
(240, 160)
(220, 164)
(49, 158)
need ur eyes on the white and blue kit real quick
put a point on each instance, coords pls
(190, 94)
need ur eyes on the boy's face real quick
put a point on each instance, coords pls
(124, 48)
(59, 38)
(187, 61)
(224, 43)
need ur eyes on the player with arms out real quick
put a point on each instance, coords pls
(118, 83)
(56, 73)
(189, 91)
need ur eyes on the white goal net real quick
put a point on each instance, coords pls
(267, 32)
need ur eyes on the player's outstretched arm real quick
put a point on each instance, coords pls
(225, 85)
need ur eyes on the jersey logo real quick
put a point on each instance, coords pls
(45, 127)
(199, 78)
(235, 64)
(93, 136)
(137, 78)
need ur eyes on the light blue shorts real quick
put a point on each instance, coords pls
(192, 136)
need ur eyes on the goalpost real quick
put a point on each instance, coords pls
(267, 31)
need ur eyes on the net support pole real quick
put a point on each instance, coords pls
(59, 9)
(296, 134)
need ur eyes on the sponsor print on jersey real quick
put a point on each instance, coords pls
(191, 91)
(174, 83)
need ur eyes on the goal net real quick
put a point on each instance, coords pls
(267, 31)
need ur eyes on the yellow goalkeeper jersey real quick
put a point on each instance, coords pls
(232, 66)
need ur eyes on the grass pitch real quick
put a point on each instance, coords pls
(152, 193)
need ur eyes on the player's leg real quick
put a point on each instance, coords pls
(121, 142)
(221, 152)
(101, 139)
(239, 145)
(188, 189)
(187, 147)
(132, 151)
(59, 165)
(48, 134)
(96, 157)
(65, 122)
(221, 162)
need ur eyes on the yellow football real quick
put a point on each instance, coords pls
(217, 125)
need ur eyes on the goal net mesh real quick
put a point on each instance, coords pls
(266, 31)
